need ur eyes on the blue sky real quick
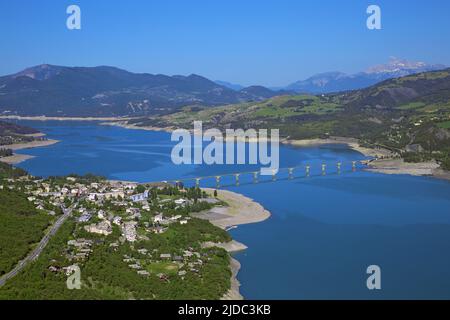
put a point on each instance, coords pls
(264, 42)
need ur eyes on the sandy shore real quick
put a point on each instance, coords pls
(233, 293)
(224, 138)
(45, 118)
(29, 145)
(385, 161)
(352, 143)
(398, 166)
(441, 174)
(240, 210)
(35, 135)
(18, 158)
(124, 124)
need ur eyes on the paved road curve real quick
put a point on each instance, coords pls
(37, 251)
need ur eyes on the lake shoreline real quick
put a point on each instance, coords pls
(17, 158)
(50, 118)
(378, 164)
(375, 165)
(383, 160)
(240, 210)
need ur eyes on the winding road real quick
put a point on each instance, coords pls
(37, 251)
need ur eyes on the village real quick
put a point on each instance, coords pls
(124, 216)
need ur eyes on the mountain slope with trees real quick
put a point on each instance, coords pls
(108, 91)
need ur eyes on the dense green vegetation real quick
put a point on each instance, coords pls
(444, 125)
(8, 171)
(86, 179)
(183, 236)
(106, 276)
(5, 153)
(37, 282)
(21, 226)
(11, 133)
(9, 128)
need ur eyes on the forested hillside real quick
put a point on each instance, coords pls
(21, 226)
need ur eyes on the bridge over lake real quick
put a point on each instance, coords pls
(253, 177)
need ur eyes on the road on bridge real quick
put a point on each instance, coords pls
(38, 250)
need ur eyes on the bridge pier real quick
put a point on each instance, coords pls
(255, 177)
(291, 173)
(218, 181)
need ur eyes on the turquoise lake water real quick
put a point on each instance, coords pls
(324, 230)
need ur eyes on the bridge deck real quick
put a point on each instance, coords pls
(256, 174)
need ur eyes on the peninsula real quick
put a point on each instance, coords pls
(163, 241)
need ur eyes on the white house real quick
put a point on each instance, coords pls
(180, 201)
(101, 214)
(158, 218)
(117, 220)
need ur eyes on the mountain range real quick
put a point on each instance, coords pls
(337, 81)
(108, 91)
